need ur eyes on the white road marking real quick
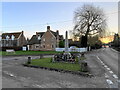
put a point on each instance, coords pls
(115, 50)
(109, 81)
(115, 76)
(106, 76)
(108, 68)
(105, 66)
(101, 61)
(36, 85)
(98, 58)
(10, 74)
(39, 86)
(111, 71)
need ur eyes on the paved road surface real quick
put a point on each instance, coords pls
(17, 76)
(108, 58)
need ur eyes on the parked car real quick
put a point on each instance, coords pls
(73, 48)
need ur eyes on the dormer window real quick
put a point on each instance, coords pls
(39, 37)
(12, 37)
(7, 37)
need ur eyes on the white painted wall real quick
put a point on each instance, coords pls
(72, 50)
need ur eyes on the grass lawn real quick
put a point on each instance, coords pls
(46, 62)
(4, 53)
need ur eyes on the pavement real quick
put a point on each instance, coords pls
(17, 76)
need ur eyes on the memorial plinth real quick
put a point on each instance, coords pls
(66, 55)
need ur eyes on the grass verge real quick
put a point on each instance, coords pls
(4, 53)
(46, 62)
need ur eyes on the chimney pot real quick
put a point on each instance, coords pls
(48, 27)
(22, 32)
(57, 32)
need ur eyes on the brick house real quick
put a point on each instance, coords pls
(45, 41)
(12, 40)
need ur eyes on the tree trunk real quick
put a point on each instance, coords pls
(87, 32)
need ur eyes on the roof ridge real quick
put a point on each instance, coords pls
(11, 32)
(40, 32)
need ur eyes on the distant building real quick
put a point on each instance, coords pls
(11, 40)
(45, 41)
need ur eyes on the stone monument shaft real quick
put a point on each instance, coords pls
(66, 43)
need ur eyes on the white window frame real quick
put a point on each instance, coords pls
(13, 37)
(7, 37)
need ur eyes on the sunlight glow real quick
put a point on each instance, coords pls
(107, 39)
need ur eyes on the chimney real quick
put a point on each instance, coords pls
(48, 27)
(57, 32)
(22, 32)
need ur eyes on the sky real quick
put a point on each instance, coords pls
(32, 17)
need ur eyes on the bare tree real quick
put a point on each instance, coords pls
(89, 20)
(73, 35)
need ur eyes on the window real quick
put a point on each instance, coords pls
(43, 46)
(7, 37)
(52, 46)
(12, 37)
(30, 46)
(37, 46)
(39, 37)
(52, 39)
(40, 46)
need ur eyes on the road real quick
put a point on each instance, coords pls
(108, 58)
(17, 76)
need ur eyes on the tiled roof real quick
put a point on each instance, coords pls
(16, 35)
(40, 33)
(33, 40)
(54, 33)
